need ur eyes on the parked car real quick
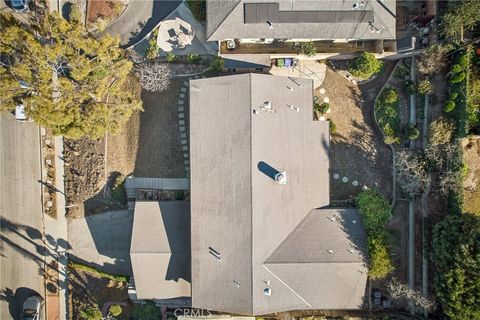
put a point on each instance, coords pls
(20, 5)
(20, 113)
(32, 308)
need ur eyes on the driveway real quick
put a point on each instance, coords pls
(102, 240)
(21, 250)
(140, 17)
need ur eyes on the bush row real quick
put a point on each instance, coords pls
(95, 271)
(387, 112)
(376, 212)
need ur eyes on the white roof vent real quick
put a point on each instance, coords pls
(294, 108)
(281, 177)
(267, 105)
(330, 251)
(267, 291)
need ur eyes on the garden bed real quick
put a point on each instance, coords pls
(107, 10)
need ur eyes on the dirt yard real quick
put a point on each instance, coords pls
(471, 150)
(159, 151)
(105, 9)
(357, 150)
(148, 145)
(87, 291)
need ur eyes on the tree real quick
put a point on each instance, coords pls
(456, 255)
(115, 310)
(432, 59)
(154, 76)
(198, 8)
(424, 87)
(91, 314)
(375, 209)
(410, 170)
(406, 295)
(461, 15)
(365, 66)
(75, 83)
(441, 131)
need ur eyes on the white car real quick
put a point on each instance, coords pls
(20, 113)
(32, 308)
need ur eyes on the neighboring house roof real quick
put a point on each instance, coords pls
(301, 19)
(244, 223)
(160, 249)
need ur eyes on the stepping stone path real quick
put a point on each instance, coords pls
(326, 99)
(181, 105)
(336, 176)
(322, 91)
(344, 179)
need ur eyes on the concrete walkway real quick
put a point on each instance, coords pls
(307, 69)
(56, 235)
(139, 19)
(102, 240)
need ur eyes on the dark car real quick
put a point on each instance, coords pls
(20, 5)
(32, 308)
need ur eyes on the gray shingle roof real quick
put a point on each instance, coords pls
(240, 215)
(226, 20)
(160, 250)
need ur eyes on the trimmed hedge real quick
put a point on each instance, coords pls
(387, 112)
(95, 271)
(366, 66)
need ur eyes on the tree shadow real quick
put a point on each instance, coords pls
(160, 10)
(15, 300)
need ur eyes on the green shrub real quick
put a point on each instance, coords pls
(458, 77)
(194, 58)
(387, 113)
(152, 49)
(198, 8)
(380, 262)
(424, 87)
(92, 270)
(365, 66)
(449, 106)
(376, 212)
(412, 132)
(179, 195)
(410, 87)
(332, 126)
(217, 65)
(308, 49)
(464, 60)
(91, 314)
(171, 57)
(118, 188)
(321, 108)
(115, 310)
(456, 68)
(456, 243)
(453, 95)
(375, 209)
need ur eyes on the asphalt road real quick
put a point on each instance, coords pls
(140, 17)
(21, 248)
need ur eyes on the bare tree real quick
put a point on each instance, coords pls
(410, 169)
(154, 76)
(403, 293)
(446, 160)
(432, 59)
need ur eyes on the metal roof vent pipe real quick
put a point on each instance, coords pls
(281, 177)
(267, 291)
